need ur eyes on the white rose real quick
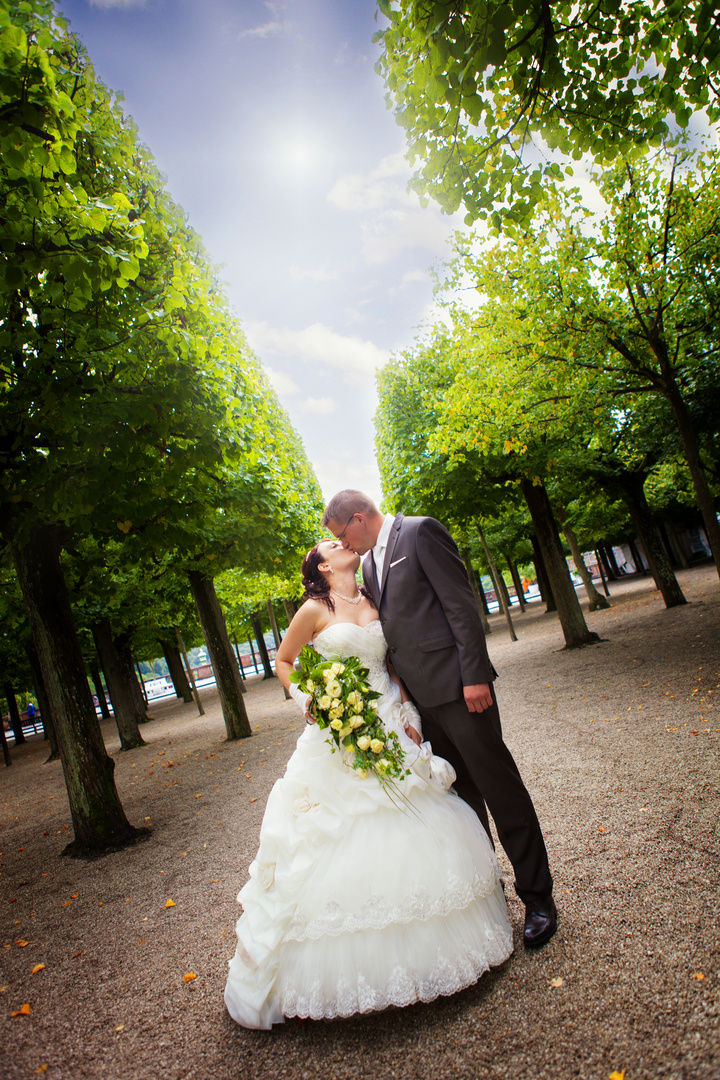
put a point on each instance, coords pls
(337, 669)
(362, 773)
(363, 742)
(356, 722)
(310, 686)
(376, 746)
(336, 724)
(334, 689)
(325, 702)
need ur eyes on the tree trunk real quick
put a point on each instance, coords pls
(141, 684)
(177, 672)
(477, 588)
(595, 598)
(542, 576)
(512, 567)
(290, 610)
(3, 744)
(43, 702)
(660, 568)
(130, 674)
(502, 587)
(611, 562)
(13, 713)
(262, 647)
(640, 567)
(188, 669)
(239, 662)
(120, 687)
(569, 611)
(502, 601)
(601, 568)
(227, 676)
(100, 691)
(694, 460)
(98, 817)
(675, 541)
(276, 635)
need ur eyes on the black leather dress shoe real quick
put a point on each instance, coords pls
(540, 922)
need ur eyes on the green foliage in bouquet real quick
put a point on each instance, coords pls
(343, 703)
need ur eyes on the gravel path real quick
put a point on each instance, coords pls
(618, 744)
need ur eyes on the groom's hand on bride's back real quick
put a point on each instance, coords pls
(478, 698)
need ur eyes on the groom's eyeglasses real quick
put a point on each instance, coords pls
(346, 528)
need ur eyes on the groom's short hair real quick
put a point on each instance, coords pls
(345, 504)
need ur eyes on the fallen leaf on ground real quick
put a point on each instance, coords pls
(119, 1027)
(617, 1075)
(698, 975)
(189, 977)
(38, 967)
(557, 981)
(24, 1010)
(21, 944)
(40, 1068)
(169, 903)
(253, 800)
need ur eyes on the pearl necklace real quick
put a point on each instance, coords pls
(348, 599)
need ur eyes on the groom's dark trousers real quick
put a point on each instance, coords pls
(437, 645)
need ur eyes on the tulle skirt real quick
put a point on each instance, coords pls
(356, 902)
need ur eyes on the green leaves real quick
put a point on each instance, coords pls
(128, 393)
(471, 83)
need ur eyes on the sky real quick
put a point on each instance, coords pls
(270, 123)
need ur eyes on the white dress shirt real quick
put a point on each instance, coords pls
(381, 545)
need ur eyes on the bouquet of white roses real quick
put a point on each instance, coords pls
(342, 702)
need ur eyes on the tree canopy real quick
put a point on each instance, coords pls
(471, 83)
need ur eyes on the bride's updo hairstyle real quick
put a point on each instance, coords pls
(316, 586)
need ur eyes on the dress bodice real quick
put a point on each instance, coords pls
(343, 639)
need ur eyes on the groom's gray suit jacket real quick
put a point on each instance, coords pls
(429, 612)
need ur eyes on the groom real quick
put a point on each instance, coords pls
(435, 637)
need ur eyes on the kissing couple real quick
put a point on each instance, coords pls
(354, 903)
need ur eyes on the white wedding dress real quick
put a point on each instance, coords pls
(354, 904)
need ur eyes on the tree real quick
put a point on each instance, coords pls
(441, 419)
(126, 388)
(628, 313)
(471, 82)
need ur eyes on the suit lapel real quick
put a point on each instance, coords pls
(370, 577)
(392, 541)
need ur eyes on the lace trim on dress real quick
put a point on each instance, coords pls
(405, 986)
(377, 913)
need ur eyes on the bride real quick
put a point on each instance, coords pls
(356, 902)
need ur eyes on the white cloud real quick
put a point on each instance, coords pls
(412, 276)
(318, 406)
(394, 219)
(317, 345)
(268, 29)
(321, 273)
(281, 383)
(334, 474)
(117, 3)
